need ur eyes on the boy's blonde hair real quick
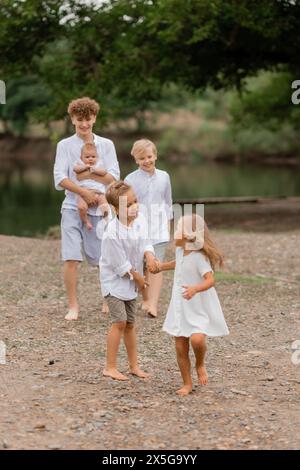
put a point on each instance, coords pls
(115, 191)
(83, 108)
(139, 147)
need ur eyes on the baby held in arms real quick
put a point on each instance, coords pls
(89, 160)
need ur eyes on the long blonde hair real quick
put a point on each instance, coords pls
(195, 230)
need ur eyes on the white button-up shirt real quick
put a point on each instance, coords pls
(68, 151)
(154, 195)
(122, 249)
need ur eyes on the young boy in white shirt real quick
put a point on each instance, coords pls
(121, 267)
(75, 236)
(153, 189)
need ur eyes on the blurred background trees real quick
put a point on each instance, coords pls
(125, 52)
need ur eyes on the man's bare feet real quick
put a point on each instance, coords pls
(139, 373)
(72, 315)
(202, 375)
(152, 312)
(114, 374)
(185, 390)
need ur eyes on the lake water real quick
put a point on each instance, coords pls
(30, 208)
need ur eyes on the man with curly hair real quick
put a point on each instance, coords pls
(75, 237)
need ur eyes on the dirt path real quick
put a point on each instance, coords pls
(52, 392)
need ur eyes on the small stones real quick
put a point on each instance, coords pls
(239, 392)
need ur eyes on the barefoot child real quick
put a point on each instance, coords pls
(153, 189)
(121, 262)
(90, 161)
(194, 311)
(75, 238)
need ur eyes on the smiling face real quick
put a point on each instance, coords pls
(146, 160)
(83, 126)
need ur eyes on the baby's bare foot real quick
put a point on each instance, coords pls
(202, 375)
(185, 390)
(114, 374)
(139, 373)
(89, 226)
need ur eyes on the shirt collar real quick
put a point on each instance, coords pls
(146, 174)
(79, 139)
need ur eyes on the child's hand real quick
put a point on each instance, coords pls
(140, 281)
(154, 266)
(189, 292)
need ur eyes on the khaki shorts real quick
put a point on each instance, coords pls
(121, 310)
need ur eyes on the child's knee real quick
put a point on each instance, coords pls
(181, 347)
(129, 326)
(198, 341)
(120, 325)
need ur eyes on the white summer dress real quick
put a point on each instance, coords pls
(203, 312)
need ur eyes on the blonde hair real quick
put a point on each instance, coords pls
(115, 191)
(139, 147)
(195, 229)
(88, 145)
(83, 108)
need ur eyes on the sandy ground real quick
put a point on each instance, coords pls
(54, 397)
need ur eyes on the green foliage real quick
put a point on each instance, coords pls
(126, 53)
(25, 95)
(266, 101)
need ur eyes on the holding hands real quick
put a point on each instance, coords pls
(154, 265)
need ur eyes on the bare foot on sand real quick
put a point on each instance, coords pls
(71, 315)
(152, 312)
(202, 375)
(139, 373)
(114, 374)
(185, 390)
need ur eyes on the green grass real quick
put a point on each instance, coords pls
(231, 277)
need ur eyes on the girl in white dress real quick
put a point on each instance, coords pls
(194, 311)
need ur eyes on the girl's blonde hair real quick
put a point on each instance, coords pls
(139, 147)
(195, 229)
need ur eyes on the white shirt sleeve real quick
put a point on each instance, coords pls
(204, 265)
(168, 199)
(61, 165)
(110, 160)
(116, 256)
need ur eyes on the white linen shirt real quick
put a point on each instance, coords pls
(68, 151)
(122, 249)
(154, 196)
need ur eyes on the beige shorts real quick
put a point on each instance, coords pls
(121, 310)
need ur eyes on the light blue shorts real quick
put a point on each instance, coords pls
(76, 239)
(160, 250)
